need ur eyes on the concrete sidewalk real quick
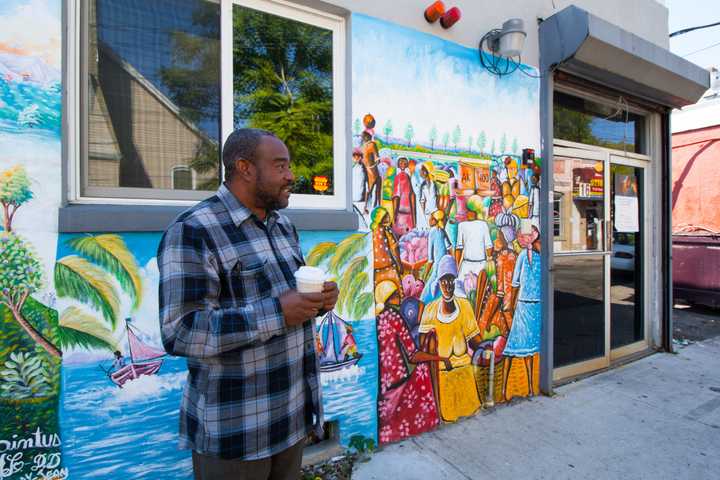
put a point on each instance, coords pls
(657, 418)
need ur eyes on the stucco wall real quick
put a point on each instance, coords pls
(646, 18)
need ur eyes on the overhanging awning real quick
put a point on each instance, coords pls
(589, 47)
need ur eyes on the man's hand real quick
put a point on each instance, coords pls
(330, 295)
(298, 308)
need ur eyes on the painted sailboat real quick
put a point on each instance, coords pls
(338, 349)
(144, 359)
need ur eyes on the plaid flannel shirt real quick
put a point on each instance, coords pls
(252, 387)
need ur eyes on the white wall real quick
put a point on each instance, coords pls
(646, 18)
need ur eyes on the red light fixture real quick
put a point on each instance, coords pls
(450, 17)
(434, 11)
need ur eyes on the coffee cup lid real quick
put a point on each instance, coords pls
(310, 274)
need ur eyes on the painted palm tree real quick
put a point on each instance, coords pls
(89, 278)
(348, 261)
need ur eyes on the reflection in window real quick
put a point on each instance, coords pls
(153, 76)
(283, 83)
(182, 178)
(583, 121)
(579, 203)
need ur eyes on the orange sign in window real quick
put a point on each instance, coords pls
(321, 183)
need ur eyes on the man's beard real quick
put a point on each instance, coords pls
(270, 200)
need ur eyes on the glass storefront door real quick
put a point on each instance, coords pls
(627, 272)
(598, 258)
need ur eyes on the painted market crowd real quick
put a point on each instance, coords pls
(456, 258)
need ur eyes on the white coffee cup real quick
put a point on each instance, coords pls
(310, 279)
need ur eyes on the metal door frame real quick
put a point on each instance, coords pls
(644, 163)
(608, 156)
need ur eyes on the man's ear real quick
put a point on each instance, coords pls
(243, 168)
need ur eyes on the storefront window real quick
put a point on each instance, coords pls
(154, 75)
(283, 81)
(153, 90)
(611, 126)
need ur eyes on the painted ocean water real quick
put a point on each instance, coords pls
(131, 432)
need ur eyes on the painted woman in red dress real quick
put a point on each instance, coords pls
(406, 401)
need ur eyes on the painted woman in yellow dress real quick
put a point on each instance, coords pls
(453, 321)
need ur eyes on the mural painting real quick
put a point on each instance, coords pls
(32, 336)
(454, 222)
(439, 301)
(120, 403)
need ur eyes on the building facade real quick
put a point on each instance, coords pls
(534, 185)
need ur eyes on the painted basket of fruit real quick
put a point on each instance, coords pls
(414, 250)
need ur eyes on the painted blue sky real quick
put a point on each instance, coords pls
(412, 77)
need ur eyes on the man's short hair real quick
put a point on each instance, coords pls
(241, 143)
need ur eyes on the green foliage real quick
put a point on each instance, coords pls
(206, 161)
(409, 133)
(14, 189)
(433, 136)
(112, 254)
(346, 250)
(192, 83)
(192, 78)
(358, 283)
(357, 265)
(347, 260)
(21, 270)
(364, 302)
(25, 376)
(481, 141)
(14, 338)
(388, 129)
(78, 278)
(503, 144)
(283, 83)
(421, 149)
(361, 444)
(29, 415)
(456, 136)
(77, 328)
(357, 127)
(320, 252)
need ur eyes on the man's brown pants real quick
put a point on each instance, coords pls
(281, 466)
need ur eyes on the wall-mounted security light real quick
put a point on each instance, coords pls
(506, 45)
(509, 41)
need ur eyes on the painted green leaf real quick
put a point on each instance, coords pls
(78, 278)
(346, 250)
(320, 252)
(357, 265)
(357, 285)
(361, 306)
(77, 328)
(111, 253)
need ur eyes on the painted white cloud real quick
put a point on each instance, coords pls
(34, 27)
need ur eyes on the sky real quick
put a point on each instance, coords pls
(32, 27)
(407, 76)
(691, 13)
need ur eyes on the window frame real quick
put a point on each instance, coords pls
(75, 114)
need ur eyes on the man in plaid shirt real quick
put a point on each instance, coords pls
(228, 303)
